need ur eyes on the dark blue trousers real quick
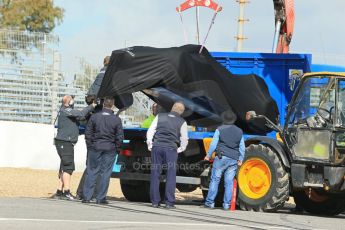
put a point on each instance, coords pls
(98, 163)
(163, 158)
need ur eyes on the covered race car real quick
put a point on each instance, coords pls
(207, 89)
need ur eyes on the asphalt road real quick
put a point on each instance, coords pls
(30, 213)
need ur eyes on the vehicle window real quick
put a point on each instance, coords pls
(341, 103)
(316, 97)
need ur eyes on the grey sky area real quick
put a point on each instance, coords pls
(92, 29)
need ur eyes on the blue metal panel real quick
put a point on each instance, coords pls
(137, 129)
(191, 135)
(327, 68)
(273, 68)
(199, 135)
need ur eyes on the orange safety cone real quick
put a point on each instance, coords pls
(233, 197)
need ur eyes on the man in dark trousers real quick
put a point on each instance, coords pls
(229, 145)
(104, 135)
(66, 138)
(89, 99)
(166, 137)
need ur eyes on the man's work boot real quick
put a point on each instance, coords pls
(79, 197)
(169, 206)
(156, 205)
(207, 206)
(103, 202)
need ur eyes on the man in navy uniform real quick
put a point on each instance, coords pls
(104, 135)
(229, 145)
(166, 137)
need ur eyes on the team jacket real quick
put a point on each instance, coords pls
(68, 123)
(104, 131)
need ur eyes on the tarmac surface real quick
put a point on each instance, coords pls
(45, 213)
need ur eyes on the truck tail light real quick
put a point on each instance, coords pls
(126, 152)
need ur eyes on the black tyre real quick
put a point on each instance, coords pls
(263, 183)
(318, 203)
(139, 191)
(136, 191)
(186, 187)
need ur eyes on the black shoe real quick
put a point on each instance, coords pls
(57, 195)
(156, 205)
(67, 195)
(168, 206)
(104, 202)
(209, 207)
(85, 201)
(79, 197)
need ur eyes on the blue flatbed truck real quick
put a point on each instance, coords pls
(280, 72)
(305, 158)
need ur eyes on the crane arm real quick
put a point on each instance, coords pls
(284, 12)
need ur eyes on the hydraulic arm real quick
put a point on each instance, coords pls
(284, 12)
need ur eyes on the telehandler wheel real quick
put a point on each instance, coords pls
(319, 204)
(262, 180)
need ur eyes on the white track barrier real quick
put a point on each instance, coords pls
(30, 145)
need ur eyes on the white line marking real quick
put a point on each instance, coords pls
(263, 226)
(280, 228)
(116, 222)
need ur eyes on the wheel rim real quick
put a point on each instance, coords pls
(254, 178)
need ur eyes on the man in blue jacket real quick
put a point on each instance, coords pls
(104, 135)
(229, 145)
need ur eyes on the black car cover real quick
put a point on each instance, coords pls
(206, 88)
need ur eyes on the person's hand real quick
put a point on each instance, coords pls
(149, 145)
(239, 163)
(207, 158)
(179, 150)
